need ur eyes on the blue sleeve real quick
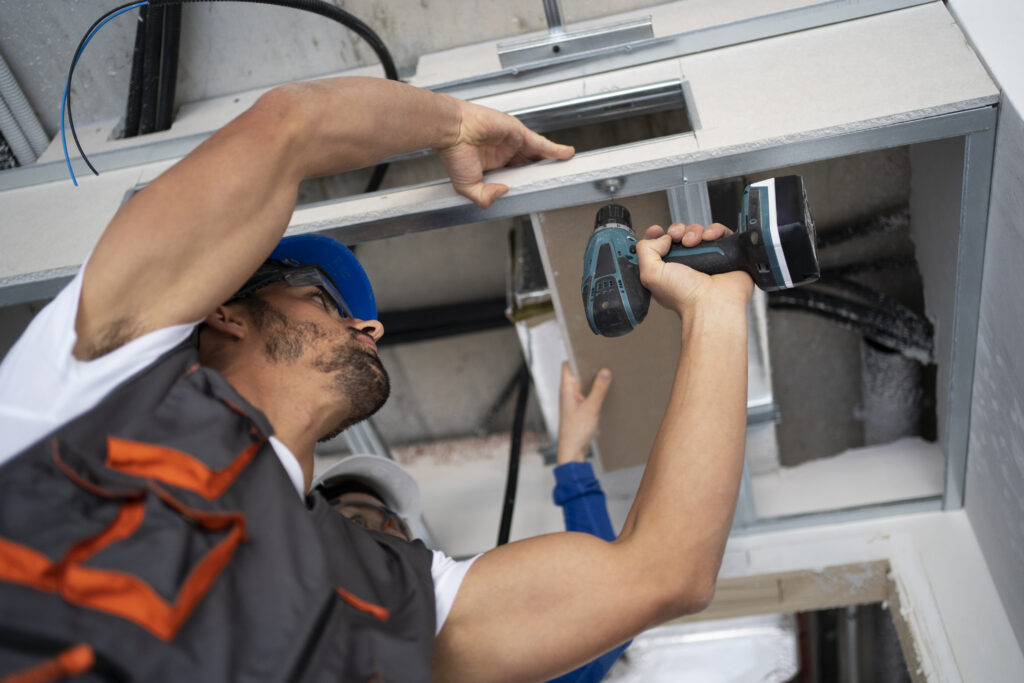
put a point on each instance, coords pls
(583, 504)
(595, 670)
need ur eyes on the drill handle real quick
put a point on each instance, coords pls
(723, 255)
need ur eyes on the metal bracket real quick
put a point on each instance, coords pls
(558, 45)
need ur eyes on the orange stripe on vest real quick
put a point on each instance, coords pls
(175, 467)
(382, 613)
(74, 661)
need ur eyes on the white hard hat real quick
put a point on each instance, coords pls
(396, 487)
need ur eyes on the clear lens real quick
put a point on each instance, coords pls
(311, 276)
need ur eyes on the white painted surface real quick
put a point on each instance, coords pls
(903, 470)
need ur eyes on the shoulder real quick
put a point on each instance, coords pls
(43, 386)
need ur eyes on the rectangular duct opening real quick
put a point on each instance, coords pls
(602, 121)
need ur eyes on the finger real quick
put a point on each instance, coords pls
(714, 231)
(537, 146)
(692, 235)
(658, 245)
(482, 195)
(599, 389)
(653, 232)
(676, 231)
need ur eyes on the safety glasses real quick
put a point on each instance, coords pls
(372, 516)
(295, 276)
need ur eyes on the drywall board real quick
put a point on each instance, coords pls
(995, 456)
(798, 591)
(946, 599)
(880, 69)
(642, 363)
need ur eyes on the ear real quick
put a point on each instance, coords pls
(227, 320)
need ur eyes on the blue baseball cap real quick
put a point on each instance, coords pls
(337, 262)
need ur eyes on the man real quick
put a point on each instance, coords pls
(379, 495)
(150, 524)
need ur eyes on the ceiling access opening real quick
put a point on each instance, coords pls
(598, 121)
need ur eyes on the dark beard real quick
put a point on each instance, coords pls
(359, 377)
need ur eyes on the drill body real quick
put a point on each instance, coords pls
(775, 245)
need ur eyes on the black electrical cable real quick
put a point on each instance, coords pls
(151, 69)
(315, 6)
(71, 71)
(168, 67)
(890, 220)
(324, 9)
(870, 266)
(134, 106)
(515, 452)
(920, 325)
(869, 322)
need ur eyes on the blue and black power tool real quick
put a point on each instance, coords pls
(774, 244)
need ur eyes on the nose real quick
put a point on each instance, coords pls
(371, 327)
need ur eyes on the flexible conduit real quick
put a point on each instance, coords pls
(16, 140)
(18, 122)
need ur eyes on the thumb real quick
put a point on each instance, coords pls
(480, 194)
(599, 389)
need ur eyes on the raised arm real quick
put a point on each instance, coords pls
(189, 239)
(537, 608)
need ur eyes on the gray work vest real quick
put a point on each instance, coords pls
(158, 538)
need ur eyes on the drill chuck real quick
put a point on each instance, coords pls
(612, 215)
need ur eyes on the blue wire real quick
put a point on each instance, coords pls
(67, 86)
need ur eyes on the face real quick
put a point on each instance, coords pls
(370, 512)
(301, 326)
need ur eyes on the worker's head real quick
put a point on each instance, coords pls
(307, 315)
(373, 491)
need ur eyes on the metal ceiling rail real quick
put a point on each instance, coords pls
(434, 205)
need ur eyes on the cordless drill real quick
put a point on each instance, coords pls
(774, 245)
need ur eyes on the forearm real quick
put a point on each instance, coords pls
(683, 510)
(190, 238)
(349, 123)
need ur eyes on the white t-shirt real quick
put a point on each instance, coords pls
(43, 386)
